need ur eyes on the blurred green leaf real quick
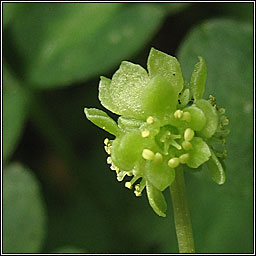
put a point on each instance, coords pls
(9, 12)
(69, 249)
(172, 8)
(15, 106)
(225, 214)
(23, 211)
(65, 43)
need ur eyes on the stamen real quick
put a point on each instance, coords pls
(186, 145)
(158, 157)
(137, 193)
(150, 120)
(189, 134)
(106, 141)
(222, 111)
(174, 162)
(145, 133)
(121, 175)
(148, 154)
(184, 158)
(108, 149)
(128, 185)
(109, 160)
(178, 113)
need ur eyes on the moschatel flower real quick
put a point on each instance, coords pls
(163, 123)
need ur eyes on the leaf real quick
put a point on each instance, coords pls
(227, 47)
(69, 249)
(199, 153)
(102, 120)
(72, 42)
(216, 169)
(160, 63)
(198, 79)
(24, 216)
(15, 107)
(212, 118)
(156, 200)
(126, 89)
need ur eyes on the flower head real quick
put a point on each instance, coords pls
(162, 124)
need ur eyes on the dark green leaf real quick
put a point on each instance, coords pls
(15, 106)
(24, 215)
(64, 43)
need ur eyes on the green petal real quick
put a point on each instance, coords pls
(199, 154)
(162, 64)
(211, 115)
(159, 97)
(104, 95)
(129, 124)
(198, 119)
(198, 79)
(216, 169)
(156, 200)
(127, 150)
(102, 120)
(126, 89)
(159, 175)
(184, 98)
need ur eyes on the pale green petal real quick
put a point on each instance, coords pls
(198, 79)
(162, 64)
(126, 89)
(199, 154)
(216, 169)
(102, 120)
(211, 115)
(156, 200)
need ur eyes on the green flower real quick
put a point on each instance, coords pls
(162, 124)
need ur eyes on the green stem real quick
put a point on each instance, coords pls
(181, 213)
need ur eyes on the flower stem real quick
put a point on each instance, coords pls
(181, 213)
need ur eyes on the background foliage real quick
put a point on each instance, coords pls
(59, 194)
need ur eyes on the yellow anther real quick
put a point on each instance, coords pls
(117, 170)
(145, 133)
(112, 167)
(129, 174)
(178, 113)
(222, 110)
(158, 157)
(109, 160)
(184, 158)
(107, 149)
(128, 184)
(186, 116)
(150, 120)
(174, 162)
(186, 145)
(106, 141)
(137, 193)
(137, 187)
(189, 134)
(225, 122)
(148, 154)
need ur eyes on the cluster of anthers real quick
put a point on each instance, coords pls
(163, 125)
